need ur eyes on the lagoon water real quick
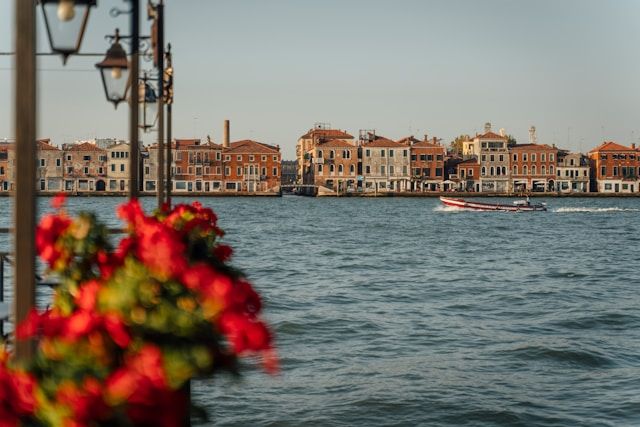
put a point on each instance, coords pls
(398, 312)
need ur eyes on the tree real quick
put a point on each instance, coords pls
(456, 144)
(511, 140)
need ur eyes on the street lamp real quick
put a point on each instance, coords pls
(114, 70)
(148, 104)
(66, 21)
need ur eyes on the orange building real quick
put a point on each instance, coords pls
(427, 163)
(533, 167)
(5, 179)
(335, 165)
(251, 166)
(468, 175)
(320, 133)
(197, 166)
(615, 168)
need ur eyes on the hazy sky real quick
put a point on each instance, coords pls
(442, 67)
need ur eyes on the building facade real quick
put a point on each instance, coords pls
(85, 167)
(615, 168)
(118, 166)
(573, 173)
(386, 166)
(320, 133)
(427, 164)
(533, 167)
(251, 166)
(335, 165)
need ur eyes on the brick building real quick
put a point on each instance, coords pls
(427, 163)
(533, 167)
(335, 165)
(320, 133)
(615, 168)
(251, 166)
(49, 170)
(85, 167)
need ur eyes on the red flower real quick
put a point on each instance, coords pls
(48, 232)
(88, 295)
(86, 402)
(223, 252)
(245, 333)
(58, 200)
(117, 329)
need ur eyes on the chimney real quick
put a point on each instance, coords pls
(225, 138)
(426, 137)
(633, 146)
(487, 127)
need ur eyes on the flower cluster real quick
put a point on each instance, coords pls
(130, 326)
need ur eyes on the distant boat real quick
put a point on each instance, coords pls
(517, 206)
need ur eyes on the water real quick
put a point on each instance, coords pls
(398, 312)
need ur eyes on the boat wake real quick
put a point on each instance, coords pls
(594, 210)
(450, 209)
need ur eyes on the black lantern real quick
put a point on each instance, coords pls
(148, 101)
(114, 70)
(66, 21)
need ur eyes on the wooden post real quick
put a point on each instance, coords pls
(134, 158)
(160, 187)
(25, 194)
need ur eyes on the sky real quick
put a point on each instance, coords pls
(403, 67)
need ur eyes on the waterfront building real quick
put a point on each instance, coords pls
(335, 165)
(198, 166)
(118, 166)
(251, 166)
(85, 167)
(5, 176)
(427, 163)
(573, 172)
(615, 168)
(49, 167)
(493, 152)
(533, 167)
(321, 132)
(467, 175)
(385, 165)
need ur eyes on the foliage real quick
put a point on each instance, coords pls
(511, 140)
(130, 326)
(456, 144)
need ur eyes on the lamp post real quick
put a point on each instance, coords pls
(168, 99)
(65, 21)
(114, 70)
(149, 104)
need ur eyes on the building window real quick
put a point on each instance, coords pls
(515, 169)
(86, 171)
(533, 157)
(58, 162)
(382, 170)
(340, 169)
(543, 170)
(524, 170)
(483, 171)
(239, 157)
(43, 162)
(332, 154)
(543, 157)
(275, 171)
(227, 171)
(501, 158)
(492, 158)
(275, 159)
(367, 153)
(551, 157)
(524, 157)
(484, 157)
(239, 171)
(86, 158)
(122, 167)
(332, 168)
(264, 159)
(404, 170)
(470, 172)
(69, 170)
(515, 157)
(603, 171)
(352, 169)
(319, 154)
(390, 153)
(69, 157)
(146, 170)
(264, 172)
(391, 170)
(227, 158)
(218, 157)
(423, 157)
(367, 169)
(404, 153)
(382, 152)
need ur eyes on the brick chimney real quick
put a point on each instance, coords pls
(226, 136)
(633, 146)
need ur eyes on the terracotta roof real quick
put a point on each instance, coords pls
(427, 144)
(611, 146)
(518, 146)
(409, 140)
(326, 133)
(86, 146)
(249, 146)
(337, 143)
(491, 135)
(384, 142)
(472, 160)
(43, 144)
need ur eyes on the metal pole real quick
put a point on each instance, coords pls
(134, 158)
(169, 128)
(25, 195)
(160, 43)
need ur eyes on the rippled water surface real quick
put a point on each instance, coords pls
(400, 312)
